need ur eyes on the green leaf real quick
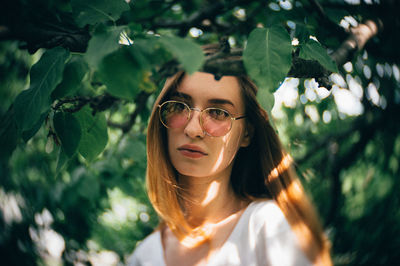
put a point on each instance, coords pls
(62, 160)
(188, 53)
(302, 33)
(94, 133)
(121, 74)
(95, 11)
(149, 52)
(73, 75)
(268, 56)
(8, 134)
(68, 131)
(45, 75)
(28, 134)
(313, 50)
(267, 100)
(101, 44)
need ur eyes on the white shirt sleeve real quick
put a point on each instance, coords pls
(276, 242)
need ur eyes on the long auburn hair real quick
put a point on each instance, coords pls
(262, 170)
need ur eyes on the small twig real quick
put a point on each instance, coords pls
(98, 103)
(78, 100)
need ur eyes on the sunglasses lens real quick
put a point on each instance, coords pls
(216, 122)
(174, 114)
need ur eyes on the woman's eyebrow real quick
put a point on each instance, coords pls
(211, 101)
(221, 101)
(181, 95)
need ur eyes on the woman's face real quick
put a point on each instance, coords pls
(192, 152)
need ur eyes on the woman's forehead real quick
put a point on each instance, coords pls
(204, 86)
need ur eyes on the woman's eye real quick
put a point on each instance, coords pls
(218, 114)
(177, 107)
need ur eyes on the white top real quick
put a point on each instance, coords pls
(262, 236)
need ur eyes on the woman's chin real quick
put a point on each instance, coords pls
(192, 173)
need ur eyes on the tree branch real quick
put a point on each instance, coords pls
(193, 20)
(223, 64)
(140, 102)
(324, 19)
(97, 103)
(357, 39)
(209, 12)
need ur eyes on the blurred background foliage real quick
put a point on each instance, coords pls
(86, 207)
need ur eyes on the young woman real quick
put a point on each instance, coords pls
(223, 186)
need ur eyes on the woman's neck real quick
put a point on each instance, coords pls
(208, 200)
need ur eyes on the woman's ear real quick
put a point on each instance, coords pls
(248, 135)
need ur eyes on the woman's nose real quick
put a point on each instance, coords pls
(193, 128)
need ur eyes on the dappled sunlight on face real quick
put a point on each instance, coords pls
(226, 140)
(201, 91)
(219, 160)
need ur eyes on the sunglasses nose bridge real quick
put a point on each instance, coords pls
(193, 124)
(191, 114)
(196, 109)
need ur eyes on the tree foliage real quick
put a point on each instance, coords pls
(78, 80)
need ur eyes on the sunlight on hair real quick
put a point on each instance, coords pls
(295, 190)
(281, 167)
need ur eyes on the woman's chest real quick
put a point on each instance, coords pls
(175, 253)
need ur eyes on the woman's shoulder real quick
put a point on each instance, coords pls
(265, 206)
(150, 249)
(275, 239)
(268, 215)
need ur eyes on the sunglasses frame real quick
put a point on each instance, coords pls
(232, 118)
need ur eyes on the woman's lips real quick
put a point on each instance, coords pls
(191, 151)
